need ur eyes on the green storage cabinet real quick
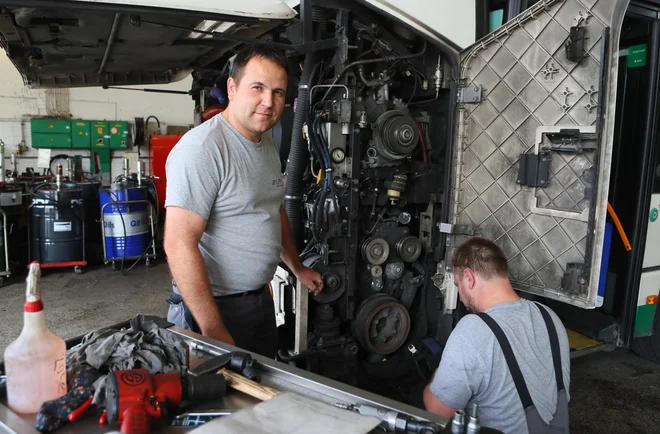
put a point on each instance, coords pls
(50, 126)
(100, 135)
(80, 134)
(118, 135)
(45, 140)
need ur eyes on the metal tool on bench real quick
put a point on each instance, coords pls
(199, 417)
(391, 420)
(236, 361)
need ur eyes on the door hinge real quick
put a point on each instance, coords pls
(470, 94)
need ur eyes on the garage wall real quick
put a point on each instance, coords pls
(18, 104)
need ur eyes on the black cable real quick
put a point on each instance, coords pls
(146, 122)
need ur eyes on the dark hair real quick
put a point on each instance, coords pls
(263, 51)
(482, 256)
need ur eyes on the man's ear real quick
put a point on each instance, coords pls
(469, 278)
(231, 88)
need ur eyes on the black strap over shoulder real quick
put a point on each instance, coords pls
(554, 346)
(518, 378)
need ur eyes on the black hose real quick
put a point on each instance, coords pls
(138, 139)
(298, 156)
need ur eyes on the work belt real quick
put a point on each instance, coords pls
(242, 294)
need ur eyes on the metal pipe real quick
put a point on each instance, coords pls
(58, 177)
(140, 169)
(111, 41)
(2, 161)
(69, 168)
(14, 164)
(126, 167)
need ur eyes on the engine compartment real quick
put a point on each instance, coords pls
(366, 174)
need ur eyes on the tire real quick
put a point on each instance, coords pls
(648, 347)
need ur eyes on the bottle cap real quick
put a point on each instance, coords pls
(33, 301)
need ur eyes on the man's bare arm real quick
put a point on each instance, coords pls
(434, 405)
(309, 277)
(183, 230)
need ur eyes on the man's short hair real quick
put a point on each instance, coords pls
(263, 51)
(482, 256)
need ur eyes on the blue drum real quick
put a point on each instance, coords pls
(137, 235)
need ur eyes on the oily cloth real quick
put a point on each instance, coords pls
(143, 345)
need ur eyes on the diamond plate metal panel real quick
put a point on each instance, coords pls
(471, 162)
(551, 75)
(512, 147)
(531, 87)
(541, 224)
(522, 201)
(527, 131)
(501, 96)
(477, 211)
(552, 37)
(519, 268)
(497, 164)
(521, 235)
(550, 275)
(482, 147)
(484, 114)
(480, 179)
(548, 112)
(499, 130)
(502, 62)
(518, 43)
(517, 77)
(537, 255)
(494, 197)
(487, 78)
(533, 94)
(492, 228)
(571, 256)
(508, 216)
(556, 241)
(516, 113)
(534, 58)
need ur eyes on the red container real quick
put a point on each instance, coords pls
(161, 145)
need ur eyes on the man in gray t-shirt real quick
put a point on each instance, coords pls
(473, 368)
(226, 229)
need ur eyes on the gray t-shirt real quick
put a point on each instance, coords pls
(473, 368)
(237, 186)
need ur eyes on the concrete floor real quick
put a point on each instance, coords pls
(76, 304)
(610, 392)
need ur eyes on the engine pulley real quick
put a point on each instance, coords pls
(382, 324)
(396, 135)
(409, 248)
(333, 285)
(375, 250)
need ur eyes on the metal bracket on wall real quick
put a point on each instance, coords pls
(575, 44)
(470, 94)
(534, 170)
(574, 280)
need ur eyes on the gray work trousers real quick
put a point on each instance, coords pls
(249, 317)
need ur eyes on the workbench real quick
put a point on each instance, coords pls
(277, 375)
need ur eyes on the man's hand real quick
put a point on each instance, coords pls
(221, 334)
(311, 279)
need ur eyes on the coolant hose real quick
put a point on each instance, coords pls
(298, 157)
